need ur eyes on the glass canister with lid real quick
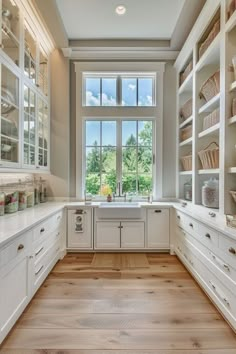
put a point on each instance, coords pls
(22, 196)
(30, 194)
(188, 190)
(2, 203)
(11, 199)
(210, 193)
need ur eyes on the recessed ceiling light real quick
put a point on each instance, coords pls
(121, 10)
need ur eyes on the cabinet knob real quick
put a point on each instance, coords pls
(184, 204)
(212, 214)
(42, 230)
(232, 250)
(158, 211)
(178, 217)
(208, 236)
(20, 247)
(191, 225)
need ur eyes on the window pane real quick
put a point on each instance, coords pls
(108, 159)
(92, 91)
(109, 92)
(144, 184)
(129, 92)
(108, 133)
(93, 184)
(144, 160)
(93, 164)
(108, 183)
(145, 92)
(129, 184)
(129, 161)
(129, 133)
(145, 133)
(93, 133)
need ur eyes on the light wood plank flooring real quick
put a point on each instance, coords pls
(155, 310)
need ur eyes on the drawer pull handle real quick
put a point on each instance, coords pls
(226, 267)
(191, 225)
(178, 217)
(58, 234)
(158, 211)
(220, 263)
(20, 247)
(212, 214)
(39, 251)
(38, 271)
(232, 250)
(42, 230)
(208, 236)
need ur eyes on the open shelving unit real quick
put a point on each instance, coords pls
(216, 57)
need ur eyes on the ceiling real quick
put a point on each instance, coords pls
(96, 19)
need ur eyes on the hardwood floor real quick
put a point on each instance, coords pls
(155, 310)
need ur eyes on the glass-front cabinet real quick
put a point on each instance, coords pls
(24, 76)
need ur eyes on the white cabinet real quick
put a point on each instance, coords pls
(79, 228)
(132, 234)
(158, 228)
(107, 235)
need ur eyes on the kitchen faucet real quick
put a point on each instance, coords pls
(119, 195)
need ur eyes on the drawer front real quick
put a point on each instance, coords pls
(227, 247)
(52, 223)
(208, 236)
(41, 247)
(14, 249)
(187, 223)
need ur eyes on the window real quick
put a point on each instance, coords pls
(118, 151)
(119, 90)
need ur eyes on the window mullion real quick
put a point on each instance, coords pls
(119, 153)
(100, 157)
(137, 181)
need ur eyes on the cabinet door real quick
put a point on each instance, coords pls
(14, 292)
(107, 235)
(79, 229)
(158, 233)
(132, 235)
(43, 135)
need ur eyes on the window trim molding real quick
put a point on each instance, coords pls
(156, 112)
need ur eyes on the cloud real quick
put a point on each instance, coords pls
(132, 87)
(145, 101)
(92, 100)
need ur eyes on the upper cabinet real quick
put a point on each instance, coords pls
(25, 105)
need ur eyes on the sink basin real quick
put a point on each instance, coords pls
(119, 210)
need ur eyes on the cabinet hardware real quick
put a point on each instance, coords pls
(178, 217)
(212, 214)
(226, 267)
(191, 225)
(158, 211)
(208, 235)
(57, 249)
(79, 212)
(37, 167)
(120, 227)
(31, 257)
(232, 250)
(20, 247)
(57, 234)
(38, 271)
(220, 263)
(184, 204)
(42, 230)
(39, 251)
(220, 295)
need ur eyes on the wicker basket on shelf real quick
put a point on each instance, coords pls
(186, 110)
(186, 133)
(184, 74)
(211, 36)
(233, 193)
(234, 107)
(211, 87)
(212, 119)
(186, 162)
(209, 157)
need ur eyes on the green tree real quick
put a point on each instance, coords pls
(93, 159)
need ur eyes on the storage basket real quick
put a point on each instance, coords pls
(211, 87)
(234, 107)
(186, 162)
(212, 119)
(232, 8)
(186, 133)
(209, 157)
(233, 193)
(186, 72)
(186, 110)
(211, 36)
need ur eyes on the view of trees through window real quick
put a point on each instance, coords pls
(127, 160)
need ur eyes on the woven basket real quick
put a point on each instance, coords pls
(186, 133)
(186, 72)
(211, 36)
(232, 8)
(233, 193)
(209, 157)
(186, 162)
(186, 110)
(211, 87)
(212, 119)
(234, 107)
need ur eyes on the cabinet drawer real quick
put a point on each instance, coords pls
(228, 248)
(14, 249)
(208, 236)
(41, 247)
(187, 223)
(47, 225)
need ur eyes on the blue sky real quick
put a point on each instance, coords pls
(129, 92)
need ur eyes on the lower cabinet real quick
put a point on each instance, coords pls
(79, 228)
(158, 228)
(119, 234)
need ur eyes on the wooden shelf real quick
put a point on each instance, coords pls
(232, 120)
(186, 142)
(210, 131)
(186, 122)
(187, 85)
(185, 173)
(232, 170)
(231, 23)
(212, 171)
(211, 55)
(232, 87)
(210, 105)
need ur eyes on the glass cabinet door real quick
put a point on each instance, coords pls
(43, 133)
(9, 127)
(29, 126)
(43, 73)
(10, 34)
(30, 55)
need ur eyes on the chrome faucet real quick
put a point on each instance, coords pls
(119, 195)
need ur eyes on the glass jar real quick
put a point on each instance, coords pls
(2, 203)
(42, 191)
(11, 201)
(188, 190)
(210, 193)
(30, 195)
(22, 200)
(36, 192)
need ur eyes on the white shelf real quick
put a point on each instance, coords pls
(186, 122)
(186, 142)
(211, 55)
(185, 173)
(210, 131)
(232, 120)
(210, 105)
(231, 23)
(232, 86)
(187, 85)
(212, 171)
(232, 170)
